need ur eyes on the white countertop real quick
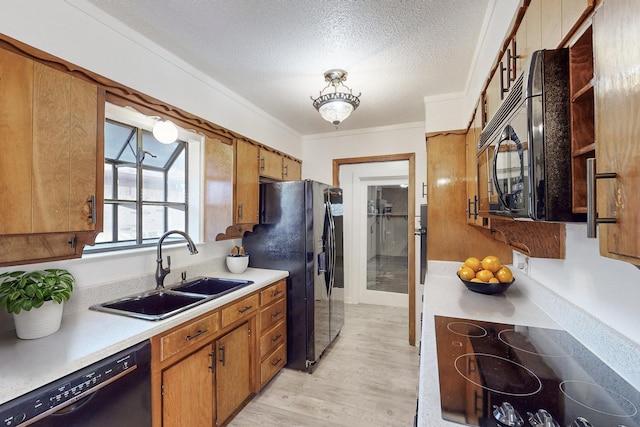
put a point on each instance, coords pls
(87, 336)
(526, 302)
(446, 295)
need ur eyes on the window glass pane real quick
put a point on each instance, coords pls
(126, 223)
(160, 154)
(107, 234)
(128, 220)
(108, 181)
(127, 183)
(153, 221)
(153, 186)
(177, 219)
(119, 142)
(176, 180)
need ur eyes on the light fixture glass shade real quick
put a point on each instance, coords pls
(165, 131)
(336, 106)
(335, 111)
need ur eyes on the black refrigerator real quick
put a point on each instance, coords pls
(300, 231)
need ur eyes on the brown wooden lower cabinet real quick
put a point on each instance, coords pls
(187, 391)
(206, 370)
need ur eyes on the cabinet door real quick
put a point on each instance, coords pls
(247, 183)
(218, 187)
(270, 164)
(187, 391)
(291, 169)
(16, 112)
(617, 79)
(492, 95)
(233, 378)
(84, 128)
(472, 169)
(551, 29)
(51, 162)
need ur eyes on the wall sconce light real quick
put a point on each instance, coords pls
(165, 131)
(336, 106)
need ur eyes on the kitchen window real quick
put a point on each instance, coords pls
(145, 184)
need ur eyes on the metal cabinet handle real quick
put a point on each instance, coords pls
(240, 211)
(276, 292)
(503, 89)
(276, 338)
(276, 314)
(213, 357)
(285, 171)
(475, 207)
(277, 362)
(222, 354)
(246, 308)
(197, 334)
(262, 164)
(424, 189)
(592, 214)
(92, 202)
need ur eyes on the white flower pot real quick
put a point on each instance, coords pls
(38, 322)
(237, 264)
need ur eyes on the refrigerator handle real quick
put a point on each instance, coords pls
(331, 248)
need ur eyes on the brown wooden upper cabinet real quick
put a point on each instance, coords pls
(270, 164)
(278, 167)
(50, 126)
(247, 183)
(472, 137)
(617, 101)
(51, 173)
(291, 169)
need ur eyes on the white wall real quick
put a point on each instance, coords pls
(605, 288)
(318, 151)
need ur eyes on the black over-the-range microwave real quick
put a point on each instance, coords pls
(524, 152)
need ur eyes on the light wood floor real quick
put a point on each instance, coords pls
(368, 377)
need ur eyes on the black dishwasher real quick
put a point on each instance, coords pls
(115, 391)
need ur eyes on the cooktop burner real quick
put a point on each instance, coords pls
(494, 375)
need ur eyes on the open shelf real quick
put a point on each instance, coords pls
(582, 116)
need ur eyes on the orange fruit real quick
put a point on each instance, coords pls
(466, 273)
(484, 275)
(491, 263)
(476, 280)
(494, 280)
(473, 263)
(504, 275)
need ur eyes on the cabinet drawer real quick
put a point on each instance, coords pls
(194, 332)
(272, 314)
(273, 292)
(272, 339)
(239, 310)
(273, 364)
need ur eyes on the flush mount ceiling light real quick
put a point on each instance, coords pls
(336, 106)
(165, 131)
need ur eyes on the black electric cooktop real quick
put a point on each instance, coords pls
(494, 375)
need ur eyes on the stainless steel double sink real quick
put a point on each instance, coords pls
(161, 304)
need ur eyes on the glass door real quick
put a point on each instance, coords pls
(384, 234)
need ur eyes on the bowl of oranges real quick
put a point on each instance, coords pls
(486, 276)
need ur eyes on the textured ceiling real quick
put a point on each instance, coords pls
(274, 53)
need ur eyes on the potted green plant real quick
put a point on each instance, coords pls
(237, 260)
(35, 299)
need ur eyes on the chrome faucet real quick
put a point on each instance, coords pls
(162, 272)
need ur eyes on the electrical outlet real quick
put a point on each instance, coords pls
(521, 262)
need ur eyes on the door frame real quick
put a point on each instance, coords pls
(410, 231)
